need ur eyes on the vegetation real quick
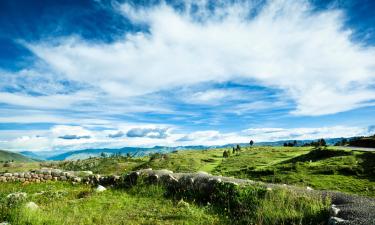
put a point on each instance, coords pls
(6, 157)
(317, 167)
(368, 142)
(320, 168)
(63, 203)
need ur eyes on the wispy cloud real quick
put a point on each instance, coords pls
(313, 59)
(206, 67)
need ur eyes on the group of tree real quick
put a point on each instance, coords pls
(343, 142)
(319, 143)
(367, 142)
(235, 150)
(290, 144)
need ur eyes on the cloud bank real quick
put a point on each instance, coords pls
(306, 54)
(153, 135)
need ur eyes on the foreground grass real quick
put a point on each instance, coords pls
(80, 205)
(63, 203)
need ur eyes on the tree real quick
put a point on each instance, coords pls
(234, 150)
(225, 154)
(322, 142)
(294, 143)
(251, 143)
(238, 148)
(103, 155)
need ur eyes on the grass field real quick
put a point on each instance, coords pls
(12, 156)
(330, 169)
(64, 203)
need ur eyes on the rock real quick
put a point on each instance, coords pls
(32, 206)
(76, 179)
(309, 188)
(335, 221)
(17, 195)
(202, 173)
(153, 179)
(100, 188)
(334, 211)
(56, 172)
(4, 223)
(8, 174)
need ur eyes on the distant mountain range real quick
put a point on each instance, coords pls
(137, 151)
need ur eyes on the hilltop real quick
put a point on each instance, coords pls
(12, 156)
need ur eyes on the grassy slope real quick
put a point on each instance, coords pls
(80, 205)
(63, 203)
(352, 172)
(16, 157)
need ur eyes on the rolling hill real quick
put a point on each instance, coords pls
(138, 151)
(16, 157)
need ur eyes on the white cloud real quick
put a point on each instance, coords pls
(308, 55)
(151, 135)
(275, 134)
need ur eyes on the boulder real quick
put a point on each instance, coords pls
(336, 221)
(18, 195)
(77, 179)
(31, 206)
(333, 210)
(100, 188)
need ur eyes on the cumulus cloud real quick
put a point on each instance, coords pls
(116, 135)
(148, 132)
(307, 54)
(71, 137)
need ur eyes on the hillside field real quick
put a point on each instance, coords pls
(6, 156)
(326, 169)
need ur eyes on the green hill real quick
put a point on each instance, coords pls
(367, 142)
(16, 157)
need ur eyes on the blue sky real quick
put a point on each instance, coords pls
(92, 73)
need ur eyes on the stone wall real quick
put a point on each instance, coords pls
(345, 209)
(43, 175)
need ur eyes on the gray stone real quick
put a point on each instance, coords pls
(32, 206)
(335, 221)
(100, 188)
(334, 211)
